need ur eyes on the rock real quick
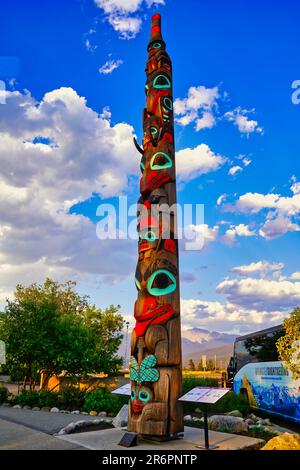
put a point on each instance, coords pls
(253, 417)
(75, 412)
(26, 407)
(17, 407)
(45, 408)
(271, 430)
(108, 420)
(102, 413)
(122, 417)
(36, 408)
(6, 405)
(66, 412)
(267, 422)
(54, 410)
(187, 418)
(249, 422)
(235, 413)
(199, 411)
(196, 420)
(284, 442)
(84, 413)
(225, 423)
(69, 428)
(97, 421)
(93, 413)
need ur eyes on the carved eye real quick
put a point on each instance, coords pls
(144, 395)
(153, 130)
(142, 164)
(146, 89)
(168, 103)
(161, 282)
(160, 160)
(156, 45)
(138, 285)
(150, 236)
(161, 81)
(133, 394)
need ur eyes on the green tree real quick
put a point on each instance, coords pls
(210, 364)
(50, 328)
(289, 345)
(199, 365)
(191, 365)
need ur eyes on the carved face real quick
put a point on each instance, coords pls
(157, 86)
(155, 285)
(140, 396)
(157, 168)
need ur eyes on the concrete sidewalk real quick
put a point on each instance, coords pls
(17, 437)
(108, 440)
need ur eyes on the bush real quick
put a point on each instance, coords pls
(71, 398)
(47, 398)
(3, 394)
(101, 399)
(231, 402)
(27, 398)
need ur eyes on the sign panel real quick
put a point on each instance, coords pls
(2, 353)
(204, 395)
(124, 390)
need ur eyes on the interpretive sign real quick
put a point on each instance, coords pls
(124, 390)
(204, 394)
(2, 353)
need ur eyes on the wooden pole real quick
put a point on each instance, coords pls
(155, 364)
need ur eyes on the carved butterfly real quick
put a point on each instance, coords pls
(145, 372)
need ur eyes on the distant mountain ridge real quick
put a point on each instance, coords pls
(195, 342)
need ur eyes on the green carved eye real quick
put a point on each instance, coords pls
(161, 81)
(142, 164)
(133, 394)
(138, 285)
(150, 236)
(161, 282)
(144, 395)
(160, 160)
(153, 130)
(168, 103)
(156, 45)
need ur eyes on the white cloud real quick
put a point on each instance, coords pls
(283, 212)
(191, 163)
(119, 14)
(261, 293)
(259, 267)
(199, 99)
(235, 231)
(234, 170)
(40, 182)
(110, 66)
(221, 199)
(295, 276)
(240, 119)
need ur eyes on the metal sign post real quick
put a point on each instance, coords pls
(206, 396)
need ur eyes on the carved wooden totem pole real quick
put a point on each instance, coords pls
(155, 364)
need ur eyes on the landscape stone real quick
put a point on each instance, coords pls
(225, 423)
(187, 418)
(122, 417)
(45, 408)
(84, 413)
(75, 412)
(54, 410)
(36, 408)
(26, 407)
(6, 405)
(235, 413)
(93, 413)
(102, 413)
(17, 407)
(66, 412)
(249, 422)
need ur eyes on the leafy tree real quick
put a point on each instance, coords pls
(191, 365)
(289, 345)
(199, 365)
(263, 347)
(210, 364)
(50, 328)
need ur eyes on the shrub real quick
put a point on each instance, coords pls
(231, 402)
(101, 399)
(28, 398)
(3, 394)
(71, 397)
(47, 398)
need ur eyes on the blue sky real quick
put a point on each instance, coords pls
(74, 79)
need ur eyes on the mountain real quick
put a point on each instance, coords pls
(195, 343)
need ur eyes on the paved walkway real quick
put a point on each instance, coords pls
(108, 440)
(43, 421)
(17, 437)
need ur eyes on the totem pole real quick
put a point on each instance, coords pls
(155, 364)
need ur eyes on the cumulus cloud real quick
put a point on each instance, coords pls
(235, 231)
(234, 170)
(282, 211)
(197, 107)
(110, 66)
(295, 276)
(240, 118)
(125, 16)
(191, 163)
(259, 267)
(54, 153)
(261, 293)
